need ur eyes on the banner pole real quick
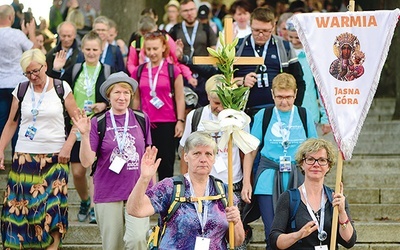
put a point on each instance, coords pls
(335, 216)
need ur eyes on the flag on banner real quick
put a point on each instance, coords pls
(346, 52)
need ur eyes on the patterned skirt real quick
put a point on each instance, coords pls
(35, 202)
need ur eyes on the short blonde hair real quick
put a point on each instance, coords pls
(102, 19)
(212, 84)
(313, 145)
(284, 81)
(32, 55)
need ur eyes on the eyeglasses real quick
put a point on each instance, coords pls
(189, 10)
(281, 98)
(311, 160)
(153, 34)
(260, 31)
(34, 72)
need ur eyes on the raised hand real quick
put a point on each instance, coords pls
(81, 121)
(59, 60)
(149, 164)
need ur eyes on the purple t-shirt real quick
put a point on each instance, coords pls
(184, 225)
(163, 89)
(108, 185)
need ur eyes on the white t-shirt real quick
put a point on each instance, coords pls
(50, 134)
(13, 43)
(220, 168)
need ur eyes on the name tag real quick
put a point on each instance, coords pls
(285, 164)
(31, 132)
(323, 247)
(117, 164)
(202, 243)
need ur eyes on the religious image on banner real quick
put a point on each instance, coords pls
(346, 52)
(349, 63)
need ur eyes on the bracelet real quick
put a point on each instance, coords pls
(181, 120)
(344, 224)
(244, 79)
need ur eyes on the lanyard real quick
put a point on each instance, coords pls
(190, 40)
(202, 216)
(120, 141)
(90, 81)
(35, 107)
(103, 55)
(153, 84)
(284, 132)
(69, 53)
(310, 211)
(253, 45)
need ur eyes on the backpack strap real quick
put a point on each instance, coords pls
(294, 202)
(22, 88)
(75, 70)
(101, 130)
(206, 28)
(171, 76)
(196, 118)
(139, 115)
(139, 72)
(221, 190)
(303, 116)
(107, 71)
(179, 192)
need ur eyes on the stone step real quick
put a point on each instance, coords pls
(82, 247)
(367, 232)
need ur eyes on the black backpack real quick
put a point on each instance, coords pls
(101, 130)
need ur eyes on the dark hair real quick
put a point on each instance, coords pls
(239, 4)
(149, 11)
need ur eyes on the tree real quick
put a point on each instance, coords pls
(125, 13)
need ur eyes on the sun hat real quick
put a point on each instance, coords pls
(117, 78)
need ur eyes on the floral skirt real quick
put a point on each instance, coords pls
(35, 202)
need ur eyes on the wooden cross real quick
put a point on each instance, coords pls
(228, 28)
(228, 32)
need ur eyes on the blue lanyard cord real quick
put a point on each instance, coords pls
(103, 55)
(190, 40)
(35, 107)
(204, 214)
(90, 81)
(120, 141)
(284, 132)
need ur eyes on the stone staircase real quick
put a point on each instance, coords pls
(370, 183)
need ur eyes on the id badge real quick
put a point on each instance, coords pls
(220, 164)
(31, 132)
(157, 102)
(117, 164)
(285, 164)
(202, 243)
(262, 80)
(322, 247)
(87, 106)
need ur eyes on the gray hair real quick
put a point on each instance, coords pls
(197, 139)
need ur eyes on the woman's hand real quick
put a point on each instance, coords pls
(193, 82)
(179, 129)
(59, 60)
(149, 164)
(82, 122)
(232, 214)
(339, 200)
(98, 107)
(247, 190)
(307, 229)
(2, 167)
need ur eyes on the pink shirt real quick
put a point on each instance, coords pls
(163, 90)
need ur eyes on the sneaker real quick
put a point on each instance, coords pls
(84, 210)
(248, 231)
(92, 216)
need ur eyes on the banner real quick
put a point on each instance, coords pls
(346, 52)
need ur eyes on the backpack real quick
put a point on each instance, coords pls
(294, 203)
(101, 130)
(196, 118)
(177, 198)
(58, 87)
(206, 28)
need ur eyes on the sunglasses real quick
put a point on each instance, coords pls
(154, 34)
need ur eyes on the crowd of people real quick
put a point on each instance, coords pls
(126, 111)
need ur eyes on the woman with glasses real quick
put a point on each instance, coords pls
(311, 224)
(161, 99)
(275, 170)
(35, 213)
